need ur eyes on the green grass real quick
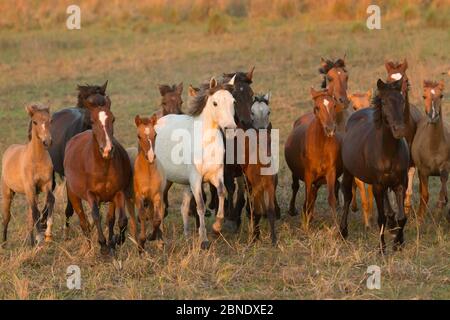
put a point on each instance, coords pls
(45, 66)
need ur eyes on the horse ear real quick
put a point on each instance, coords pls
(137, 120)
(30, 109)
(380, 84)
(213, 83)
(323, 62)
(250, 74)
(388, 65)
(369, 93)
(405, 64)
(153, 119)
(231, 82)
(441, 85)
(192, 92)
(163, 89)
(267, 97)
(180, 88)
(108, 102)
(103, 87)
(314, 93)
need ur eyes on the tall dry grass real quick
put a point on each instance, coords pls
(33, 14)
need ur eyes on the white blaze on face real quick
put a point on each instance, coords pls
(326, 103)
(102, 117)
(433, 92)
(150, 152)
(396, 76)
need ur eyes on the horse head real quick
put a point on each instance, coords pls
(325, 110)
(102, 120)
(146, 135)
(433, 92)
(171, 100)
(336, 80)
(260, 111)
(390, 102)
(40, 123)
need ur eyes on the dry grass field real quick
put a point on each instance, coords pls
(44, 64)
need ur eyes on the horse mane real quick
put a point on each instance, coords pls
(430, 84)
(198, 103)
(328, 65)
(84, 91)
(376, 105)
(260, 98)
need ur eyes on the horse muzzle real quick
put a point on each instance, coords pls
(107, 153)
(330, 131)
(398, 131)
(433, 119)
(47, 143)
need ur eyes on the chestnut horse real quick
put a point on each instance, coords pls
(98, 170)
(28, 169)
(431, 146)
(397, 71)
(374, 151)
(149, 180)
(313, 153)
(360, 101)
(261, 185)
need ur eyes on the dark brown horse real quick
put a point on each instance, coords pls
(171, 100)
(313, 153)
(431, 146)
(397, 72)
(98, 170)
(374, 151)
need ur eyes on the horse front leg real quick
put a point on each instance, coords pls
(379, 193)
(33, 217)
(104, 249)
(217, 226)
(424, 195)
(443, 198)
(158, 216)
(196, 188)
(111, 221)
(409, 190)
(166, 198)
(347, 183)
(231, 215)
(119, 201)
(48, 216)
(400, 216)
(331, 180)
(7, 196)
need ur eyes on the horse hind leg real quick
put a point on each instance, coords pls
(443, 197)
(74, 204)
(379, 193)
(50, 205)
(185, 211)
(196, 187)
(400, 217)
(347, 182)
(111, 221)
(409, 190)
(217, 226)
(7, 196)
(119, 201)
(295, 187)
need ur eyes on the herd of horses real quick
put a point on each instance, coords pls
(375, 141)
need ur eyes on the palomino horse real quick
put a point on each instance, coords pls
(67, 123)
(149, 180)
(431, 146)
(374, 151)
(98, 170)
(360, 101)
(313, 153)
(199, 157)
(28, 169)
(261, 185)
(397, 71)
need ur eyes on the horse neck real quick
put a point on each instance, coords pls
(208, 122)
(436, 133)
(389, 143)
(317, 130)
(35, 146)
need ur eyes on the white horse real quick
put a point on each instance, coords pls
(191, 148)
(261, 111)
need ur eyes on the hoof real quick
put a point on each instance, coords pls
(292, 212)
(39, 238)
(344, 233)
(230, 226)
(48, 238)
(397, 247)
(205, 245)
(354, 208)
(105, 250)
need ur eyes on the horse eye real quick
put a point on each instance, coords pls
(215, 104)
(268, 113)
(442, 96)
(424, 97)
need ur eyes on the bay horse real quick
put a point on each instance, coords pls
(171, 100)
(28, 169)
(67, 123)
(374, 151)
(431, 146)
(358, 101)
(149, 180)
(397, 71)
(313, 153)
(98, 170)
(211, 111)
